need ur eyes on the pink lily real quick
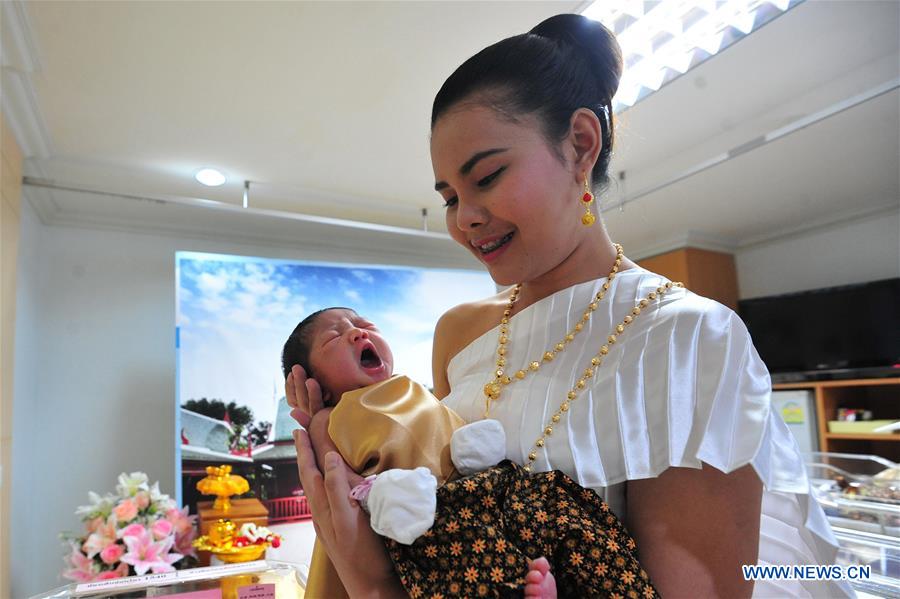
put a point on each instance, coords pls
(181, 519)
(93, 524)
(83, 568)
(184, 542)
(161, 529)
(144, 554)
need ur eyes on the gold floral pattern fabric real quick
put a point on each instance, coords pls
(489, 525)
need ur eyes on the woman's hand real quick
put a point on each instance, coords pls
(303, 394)
(358, 554)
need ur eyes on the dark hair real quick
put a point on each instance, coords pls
(296, 348)
(565, 63)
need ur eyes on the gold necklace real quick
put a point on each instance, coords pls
(595, 363)
(493, 389)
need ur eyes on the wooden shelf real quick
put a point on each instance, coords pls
(839, 383)
(863, 437)
(881, 396)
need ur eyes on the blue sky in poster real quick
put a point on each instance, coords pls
(234, 314)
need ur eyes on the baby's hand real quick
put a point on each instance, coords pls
(402, 503)
(477, 446)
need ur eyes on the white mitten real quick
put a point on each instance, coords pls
(478, 446)
(402, 503)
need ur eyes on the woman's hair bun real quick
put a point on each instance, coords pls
(592, 40)
(566, 63)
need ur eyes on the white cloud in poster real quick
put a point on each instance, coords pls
(184, 298)
(406, 323)
(214, 304)
(414, 360)
(432, 293)
(212, 284)
(258, 286)
(362, 276)
(436, 291)
(353, 294)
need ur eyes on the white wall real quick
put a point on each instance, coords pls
(95, 373)
(31, 521)
(866, 249)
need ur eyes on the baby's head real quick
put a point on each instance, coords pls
(340, 349)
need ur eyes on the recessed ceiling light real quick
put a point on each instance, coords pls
(210, 177)
(662, 40)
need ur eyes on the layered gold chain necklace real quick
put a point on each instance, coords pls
(493, 389)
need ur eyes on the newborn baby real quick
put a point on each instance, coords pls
(475, 535)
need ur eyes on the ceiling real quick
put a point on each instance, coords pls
(324, 107)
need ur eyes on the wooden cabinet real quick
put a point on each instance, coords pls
(881, 396)
(706, 273)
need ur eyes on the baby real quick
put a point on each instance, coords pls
(470, 536)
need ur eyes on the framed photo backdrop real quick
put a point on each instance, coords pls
(234, 314)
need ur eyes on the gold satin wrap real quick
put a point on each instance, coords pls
(393, 424)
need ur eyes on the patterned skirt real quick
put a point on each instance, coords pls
(489, 525)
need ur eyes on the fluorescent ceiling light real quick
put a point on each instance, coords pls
(210, 177)
(663, 39)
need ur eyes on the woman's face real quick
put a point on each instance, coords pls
(509, 199)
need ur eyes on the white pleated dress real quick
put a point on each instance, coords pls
(682, 385)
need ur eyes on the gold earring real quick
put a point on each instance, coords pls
(587, 219)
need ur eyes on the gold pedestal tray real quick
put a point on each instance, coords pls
(228, 545)
(233, 555)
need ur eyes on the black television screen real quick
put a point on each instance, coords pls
(848, 327)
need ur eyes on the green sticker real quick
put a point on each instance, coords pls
(792, 413)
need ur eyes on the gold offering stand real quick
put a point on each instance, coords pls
(221, 542)
(221, 520)
(223, 484)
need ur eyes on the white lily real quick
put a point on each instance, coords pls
(162, 501)
(130, 484)
(99, 506)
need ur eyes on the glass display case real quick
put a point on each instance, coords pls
(861, 497)
(263, 579)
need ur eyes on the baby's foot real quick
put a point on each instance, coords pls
(539, 581)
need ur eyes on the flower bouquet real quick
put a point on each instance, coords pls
(136, 530)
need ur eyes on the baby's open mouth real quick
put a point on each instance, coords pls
(369, 358)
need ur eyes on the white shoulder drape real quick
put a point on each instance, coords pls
(683, 385)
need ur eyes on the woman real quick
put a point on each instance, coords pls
(635, 387)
